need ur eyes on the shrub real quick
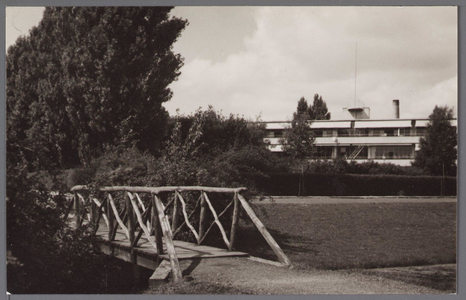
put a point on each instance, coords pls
(341, 166)
(49, 257)
(288, 184)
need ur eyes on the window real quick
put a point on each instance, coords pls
(278, 133)
(343, 132)
(318, 133)
(390, 132)
(328, 133)
(362, 132)
(421, 131)
(323, 152)
(394, 152)
(376, 132)
(405, 131)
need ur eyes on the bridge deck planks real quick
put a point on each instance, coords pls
(184, 250)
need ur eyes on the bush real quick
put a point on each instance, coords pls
(46, 256)
(288, 184)
(341, 166)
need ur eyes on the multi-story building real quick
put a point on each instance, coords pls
(360, 138)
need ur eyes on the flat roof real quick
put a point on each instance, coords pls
(359, 123)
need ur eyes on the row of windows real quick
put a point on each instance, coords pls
(394, 152)
(375, 152)
(357, 132)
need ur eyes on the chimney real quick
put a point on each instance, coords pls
(396, 109)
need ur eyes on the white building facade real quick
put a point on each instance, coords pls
(360, 138)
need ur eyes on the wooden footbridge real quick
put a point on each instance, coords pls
(147, 225)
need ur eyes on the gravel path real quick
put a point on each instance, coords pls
(258, 278)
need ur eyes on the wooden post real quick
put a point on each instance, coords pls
(234, 221)
(202, 217)
(167, 233)
(217, 221)
(175, 213)
(186, 217)
(141, 219)
(92, 211)
(272, 243)
(156, 227)
(77, 212)
(111, 220)
(130, 224)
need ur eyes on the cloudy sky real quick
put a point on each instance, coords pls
(259, 61)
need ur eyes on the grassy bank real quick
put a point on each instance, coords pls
(332, 236)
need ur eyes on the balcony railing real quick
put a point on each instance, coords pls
(325, 157)
(394, 157)
(376, 134)
(269, 135)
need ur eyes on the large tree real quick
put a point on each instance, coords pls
(318, 110)
(90, 77)
(298, 140)
(302, 106)
(437, 153)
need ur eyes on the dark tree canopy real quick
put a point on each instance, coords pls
(437, 153)
(302, 106)
(315, 111)
(298, 140)
(318, 110)
(221, 133)
(90, 77)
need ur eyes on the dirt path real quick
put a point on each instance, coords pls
(253, 277)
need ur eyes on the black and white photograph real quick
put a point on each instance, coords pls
(231, 150)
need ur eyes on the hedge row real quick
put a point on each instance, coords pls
(289, 184)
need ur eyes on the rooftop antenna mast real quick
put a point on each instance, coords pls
(355, 73)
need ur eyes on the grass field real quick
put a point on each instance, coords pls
(405, 242)
(335, 236)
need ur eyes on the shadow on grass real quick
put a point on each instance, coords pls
(250, 240)
(312, 253)
(442, 278)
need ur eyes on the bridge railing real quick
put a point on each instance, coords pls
(164, 212)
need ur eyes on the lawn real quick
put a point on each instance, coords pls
(362, 236)
(404, 242)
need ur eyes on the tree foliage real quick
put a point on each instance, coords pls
(205, 148)
(318, 110)
(45, 255)
(298, 140)
(437, 153)
(90, 77)
(302, 106)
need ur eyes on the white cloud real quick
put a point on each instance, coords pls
(403, 53)
(19, 20)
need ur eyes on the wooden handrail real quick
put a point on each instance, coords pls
(167, 233)
(141, 221)
(213, 223)
(157, 212)
(117, 216)
(217, 221)
(186, 217)
(156, 190)
(265, 233)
